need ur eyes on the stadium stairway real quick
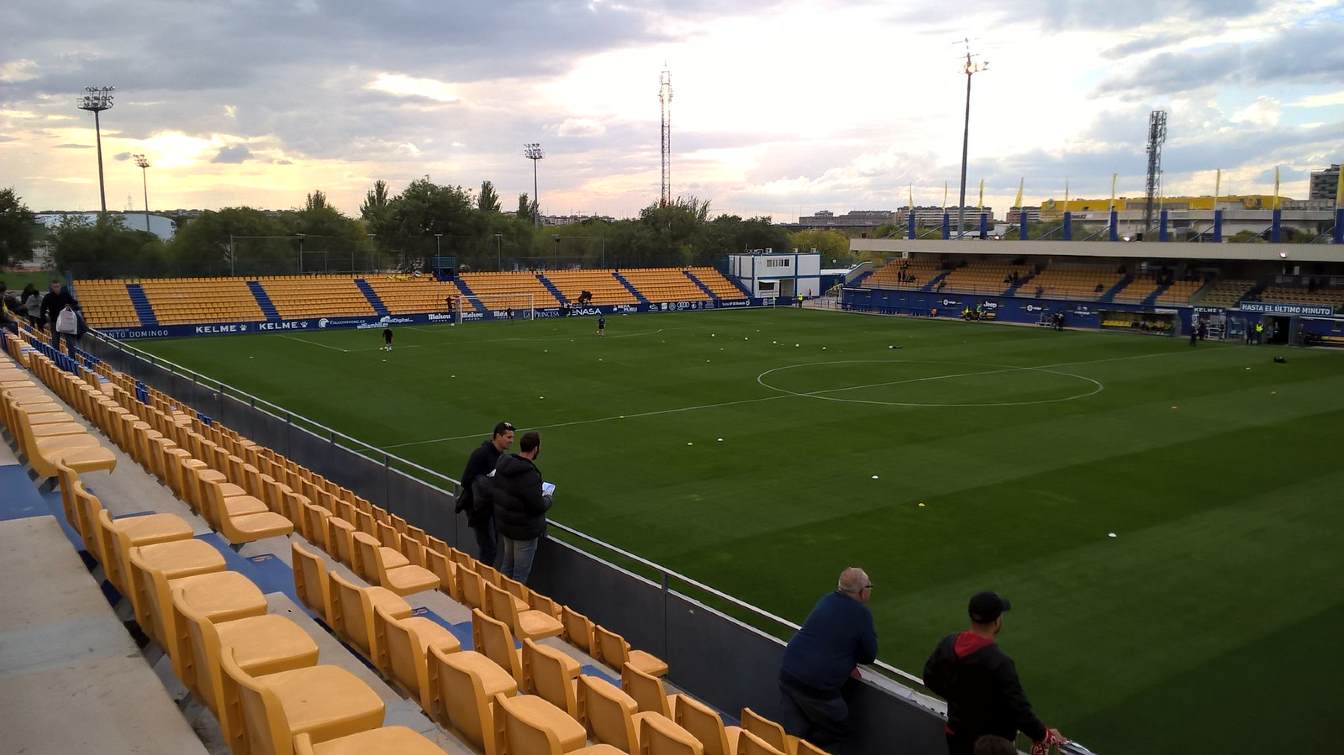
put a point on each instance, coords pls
(700, 284)
(1110, 293)
(932, 285)
(469, 294)
(1151, 299)
(1012, 290)
(263, 300)
(378, 307)
(553, 289)
(629, 287)
(143, 309)
(1256, 290)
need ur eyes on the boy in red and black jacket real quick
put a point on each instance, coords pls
(979, 682)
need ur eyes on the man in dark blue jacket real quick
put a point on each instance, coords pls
(481, 518)
(520, 508)
(979, 682)
(836, 637)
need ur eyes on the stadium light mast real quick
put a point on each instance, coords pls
(532, 151)
(96, 100)
(143, 162)
(970, 68)
(665, 105)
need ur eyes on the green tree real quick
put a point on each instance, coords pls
(832, 245)
(525, 208)
(234, 240)
(16, 228)
(105, 248)
(317, 200)
(488, 200)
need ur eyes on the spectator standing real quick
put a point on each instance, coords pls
(4, 310)
(520, 508)
(481, 518)
(824, 656)
(31, 302)
(56, 299)
(980, 684)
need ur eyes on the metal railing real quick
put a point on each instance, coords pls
(890, 679)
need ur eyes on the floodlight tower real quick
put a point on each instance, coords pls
(96, 100)
(532, 151)
(970, 68)
(1157, 135)
(665, 104)
(143, 162)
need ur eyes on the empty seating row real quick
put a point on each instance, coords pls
(664, 284)
(403, 295)
(201, 300)
(316, 296)
(604, 287)
(986, 277)
(1072, 281)
(107, 304)
(717, 283)
(1325, 296)
(503, 290)
(1226, 292)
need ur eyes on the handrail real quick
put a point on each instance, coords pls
(888, 670)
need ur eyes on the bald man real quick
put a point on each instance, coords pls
(837, 636)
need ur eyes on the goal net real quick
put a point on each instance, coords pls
(501, 305)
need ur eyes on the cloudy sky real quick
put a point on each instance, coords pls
(779, 107)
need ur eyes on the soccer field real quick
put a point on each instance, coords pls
(762, 451)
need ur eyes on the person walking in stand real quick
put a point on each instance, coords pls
(67, 329)
(520, 508)
(56, 300)
(824, 656)
(481, 513)
(32, 305)
(980, 684)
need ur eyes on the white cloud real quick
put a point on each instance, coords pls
(580, 127)
(408, 149)
(1265, 111)
(401, 85)
(230, 111)
(1321, 100)
(15, 71)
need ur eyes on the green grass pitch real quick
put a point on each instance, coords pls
(762, 451)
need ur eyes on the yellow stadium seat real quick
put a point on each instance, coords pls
(750, 744)
(387, 740)
(352, 612)
(463, 699)
(310, 581)
(325, 702)
(527, 724)
(552, 675)
(525, 623)
(610, 715)
(661, 736)
(403, 649)
(647, 691)
(493, 638)
(706, 726)
(578, 629)
(174, 559)
(264, 643)
(612, 649)
(769, 732)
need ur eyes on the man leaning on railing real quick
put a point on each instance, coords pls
(823, 657)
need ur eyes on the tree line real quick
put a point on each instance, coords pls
(401, 231)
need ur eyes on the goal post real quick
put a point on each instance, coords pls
(501, 305)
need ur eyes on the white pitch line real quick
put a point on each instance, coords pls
(782, 395)
(313, 343)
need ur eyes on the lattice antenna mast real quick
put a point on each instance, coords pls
(665, 104)
(1157, 135)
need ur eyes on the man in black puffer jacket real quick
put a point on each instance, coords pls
(481, 516)
(980, 684)
(520, 508)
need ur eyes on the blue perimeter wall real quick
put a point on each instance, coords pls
(323, 323)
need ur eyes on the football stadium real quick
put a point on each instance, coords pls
(1151, 503)
(754, 447)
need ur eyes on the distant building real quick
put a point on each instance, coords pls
(854, 219)
(159, 225)
(573, 219)
(1015, 214)
(932, 216)
(1324, 183)
(1053, 208)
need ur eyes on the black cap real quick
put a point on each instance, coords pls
(985, 607)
